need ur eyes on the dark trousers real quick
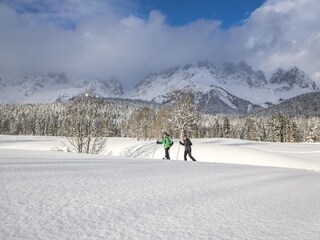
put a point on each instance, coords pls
(167, 153)
(189, 154)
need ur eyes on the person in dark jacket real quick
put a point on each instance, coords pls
(187, 148)
(167, 143)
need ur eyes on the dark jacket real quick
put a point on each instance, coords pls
(187, 144)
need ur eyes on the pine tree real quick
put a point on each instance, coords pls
(226, 129)
(249, 129)
(294, 132)
(216, 129)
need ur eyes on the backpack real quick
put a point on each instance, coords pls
(170, 141)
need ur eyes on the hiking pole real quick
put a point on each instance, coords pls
(178, 151)
(181, 138)
(154, 151)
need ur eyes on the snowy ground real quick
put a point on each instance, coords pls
(47, 194)
(287, 155)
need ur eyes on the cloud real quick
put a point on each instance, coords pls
(106, 38)
(128, 47)
(284, 33)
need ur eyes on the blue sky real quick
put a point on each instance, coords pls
(177, 12)
(181, 12)
(129, 39)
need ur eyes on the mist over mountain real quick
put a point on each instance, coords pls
(47, 88)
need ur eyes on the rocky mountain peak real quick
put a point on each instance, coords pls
(243, 72)
(293, 77)
(231, 85)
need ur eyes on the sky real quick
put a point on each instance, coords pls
(128, 39)
(182, 12)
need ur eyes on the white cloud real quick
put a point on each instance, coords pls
(284, 33)
(104, 38)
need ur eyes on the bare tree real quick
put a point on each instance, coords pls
(140, 123)
(184, 114)
(87, 127)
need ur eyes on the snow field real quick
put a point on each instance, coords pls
(235, 151)
(127, 195)
(95, 198)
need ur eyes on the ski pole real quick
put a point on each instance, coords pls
(178, 151)
(154, 150)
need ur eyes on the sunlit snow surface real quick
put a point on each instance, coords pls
(56, 195)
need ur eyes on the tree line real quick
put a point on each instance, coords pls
(92, 119)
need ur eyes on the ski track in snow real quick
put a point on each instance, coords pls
(142, 150)
(56, 195)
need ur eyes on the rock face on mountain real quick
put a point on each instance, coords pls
(291, 78)
(229, 88)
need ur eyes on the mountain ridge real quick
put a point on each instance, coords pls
(307, 105)
(234, 88)
(227, 83)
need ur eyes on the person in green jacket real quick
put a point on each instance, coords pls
(167, 143)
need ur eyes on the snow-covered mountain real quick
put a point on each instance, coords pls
(228, 88)
(40, 88)
(232, 88)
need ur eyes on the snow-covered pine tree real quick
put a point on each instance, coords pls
(313, 134)
(216, 129)
(278, 127)
(250, 129)
(294, 134)
(226, 128)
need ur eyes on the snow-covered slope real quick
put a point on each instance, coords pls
(39, 88)
(229, 81)
(55, 195)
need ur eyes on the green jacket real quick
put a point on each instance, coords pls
(167, 142)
